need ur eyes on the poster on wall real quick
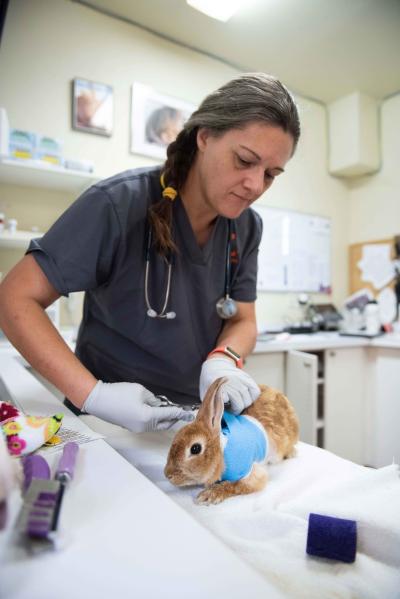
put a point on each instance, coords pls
(92, 107)
(156, 120)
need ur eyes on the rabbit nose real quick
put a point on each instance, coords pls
(168, 471)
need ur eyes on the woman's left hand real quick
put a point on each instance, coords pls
(239, 391)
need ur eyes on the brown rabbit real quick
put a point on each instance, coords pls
(199, 454)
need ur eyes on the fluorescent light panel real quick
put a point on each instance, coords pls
(217, 9)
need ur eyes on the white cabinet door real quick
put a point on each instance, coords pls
(301, 390)
(345, 402)
(383, 425)
(267, 369)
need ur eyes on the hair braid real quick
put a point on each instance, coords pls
(180, 155)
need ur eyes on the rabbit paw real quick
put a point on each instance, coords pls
(211, 495)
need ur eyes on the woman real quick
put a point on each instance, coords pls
(155, 250)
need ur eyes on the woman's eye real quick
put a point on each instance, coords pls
(243, 162)
(268, 176)
(195, 449)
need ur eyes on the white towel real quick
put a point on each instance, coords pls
(269, 529)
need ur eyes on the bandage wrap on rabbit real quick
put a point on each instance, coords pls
(196, 455)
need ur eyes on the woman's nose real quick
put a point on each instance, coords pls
(254, 182)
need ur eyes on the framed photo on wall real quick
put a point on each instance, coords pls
(92, 107)
(156, 120)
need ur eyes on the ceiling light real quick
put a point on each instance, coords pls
(217, 9)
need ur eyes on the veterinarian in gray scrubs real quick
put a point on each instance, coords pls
(167, 257)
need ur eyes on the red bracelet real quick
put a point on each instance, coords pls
(228, 351)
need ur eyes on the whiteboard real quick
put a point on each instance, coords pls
(294, 254)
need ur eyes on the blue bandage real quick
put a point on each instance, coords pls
(334, 538)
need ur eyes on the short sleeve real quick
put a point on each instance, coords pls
(77, 252)
(244, 287)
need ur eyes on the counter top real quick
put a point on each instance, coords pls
(321, 341)
(121, 535)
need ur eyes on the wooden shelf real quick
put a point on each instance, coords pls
(19, 239)
(35, 173)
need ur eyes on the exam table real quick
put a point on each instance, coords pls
(127, 529)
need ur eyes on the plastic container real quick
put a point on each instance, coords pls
(372, 318)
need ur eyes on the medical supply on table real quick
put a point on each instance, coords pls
(12, 225)
(332, 538)
(165, 402)
(34, 466)
(226, 306)
(39, 516)
(372, 319)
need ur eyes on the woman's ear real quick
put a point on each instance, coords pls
(202, 136)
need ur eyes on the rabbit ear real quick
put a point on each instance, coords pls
(210, 411)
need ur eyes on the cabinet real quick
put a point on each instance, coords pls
(301, 389)
(345, 402)
(383, 403)
(327, 388)
(267, 369)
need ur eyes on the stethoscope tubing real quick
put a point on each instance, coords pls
(170, 315)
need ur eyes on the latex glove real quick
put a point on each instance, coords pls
(238, 392)
(132, 406)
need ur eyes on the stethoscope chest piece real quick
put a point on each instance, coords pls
(226, 307)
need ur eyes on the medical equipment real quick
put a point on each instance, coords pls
(165, 402)
(39, 516)
(332, 538)
(226, 307)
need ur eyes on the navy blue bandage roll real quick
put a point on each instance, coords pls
(334, 538)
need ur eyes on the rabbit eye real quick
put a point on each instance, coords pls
(195, 449)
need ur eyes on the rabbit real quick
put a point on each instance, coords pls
(198, 454)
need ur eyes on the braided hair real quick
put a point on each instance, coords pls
(246, 98)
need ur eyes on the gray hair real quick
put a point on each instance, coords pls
(249, 97)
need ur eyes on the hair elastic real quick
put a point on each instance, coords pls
(168, 192)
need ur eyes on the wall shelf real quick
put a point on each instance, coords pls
(32, 173)
(19, 239)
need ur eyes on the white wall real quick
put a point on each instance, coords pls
(46, 43)
(375, 200)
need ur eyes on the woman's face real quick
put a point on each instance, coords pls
(237, 167)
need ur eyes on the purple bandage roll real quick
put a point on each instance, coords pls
(333, 538)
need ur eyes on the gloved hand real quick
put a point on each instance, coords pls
(239, 391)
(132, 406)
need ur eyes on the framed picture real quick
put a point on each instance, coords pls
(92, 107)
(156, 120)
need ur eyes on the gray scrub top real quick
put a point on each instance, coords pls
(98, 246)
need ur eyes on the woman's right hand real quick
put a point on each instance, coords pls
(132, 406)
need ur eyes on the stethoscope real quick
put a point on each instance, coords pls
(226, 307)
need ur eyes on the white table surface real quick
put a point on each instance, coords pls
(120, 534)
